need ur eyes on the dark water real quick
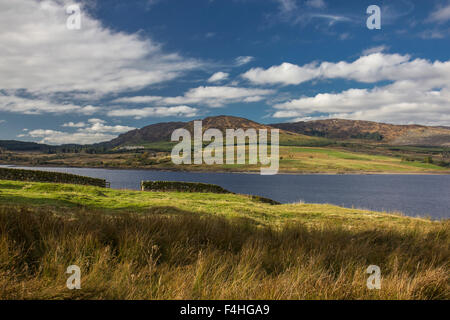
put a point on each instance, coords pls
(414, 195)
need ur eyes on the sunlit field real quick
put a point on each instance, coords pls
(149, 245)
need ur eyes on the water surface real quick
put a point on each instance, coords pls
(414, 195)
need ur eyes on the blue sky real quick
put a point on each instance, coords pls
(138, 62)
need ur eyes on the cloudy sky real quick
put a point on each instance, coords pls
(138, 62)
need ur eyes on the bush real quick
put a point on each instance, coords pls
(46, 176)
(428, 159)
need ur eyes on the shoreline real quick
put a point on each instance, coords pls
(239, 172)
(357, 207)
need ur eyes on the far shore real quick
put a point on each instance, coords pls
(238, 172)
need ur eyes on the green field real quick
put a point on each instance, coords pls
(293, 159)
(150, 245)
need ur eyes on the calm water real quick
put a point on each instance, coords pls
(424, 195)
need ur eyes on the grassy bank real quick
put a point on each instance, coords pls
(293, 159)
(148, 245)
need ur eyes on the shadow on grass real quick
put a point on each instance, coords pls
(165, 241)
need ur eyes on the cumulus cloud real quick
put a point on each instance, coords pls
(55, 137)
(367, 69)
(179, 111)
(218, 76)
(98, 126)
(286, 73)
(96, 132)
(40, 55)
(387, 104)
(419, 92)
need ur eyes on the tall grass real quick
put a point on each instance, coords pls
(187, 256)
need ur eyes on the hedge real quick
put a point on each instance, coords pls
(177, 186)
(47, 176)
(163, 186)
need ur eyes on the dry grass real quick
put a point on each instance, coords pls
(185, 255)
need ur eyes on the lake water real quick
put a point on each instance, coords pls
(414, 195)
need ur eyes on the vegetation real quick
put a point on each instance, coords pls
(164, 186)
(46, 176)
(323, 146)
(293, 159)
(173, 245)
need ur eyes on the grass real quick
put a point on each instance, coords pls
(293, 159)
(145, 245)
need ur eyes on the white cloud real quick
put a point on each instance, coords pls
(99, 127)
(402, 102)
(58, 137)
(286, 73)
(96, 132)
(240, 61)
(419, 91)
(39, 54)
(367, 69)
(12, 103)
(218, 96)
(211, 96)
(74, 125)
(96, 120)
(318, 4)
(178, 111)
(218, 76)
(441, 14)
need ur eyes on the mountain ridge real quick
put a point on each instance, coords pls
(337, 129)
(343, 129)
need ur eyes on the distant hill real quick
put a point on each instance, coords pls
(152, 133)
(161, 132)
(14, 145)
(304, 133)
(341, 129)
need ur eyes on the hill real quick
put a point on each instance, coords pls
(157, 135)
(14, 145)
(341, 129)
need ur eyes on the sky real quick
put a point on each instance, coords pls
(138, 62)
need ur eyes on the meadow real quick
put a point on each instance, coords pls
(171, 245)
(293, 159)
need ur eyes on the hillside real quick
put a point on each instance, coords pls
(15, 145)
(170, 245)
(373, 131)
(309, 133)
(161, 132)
